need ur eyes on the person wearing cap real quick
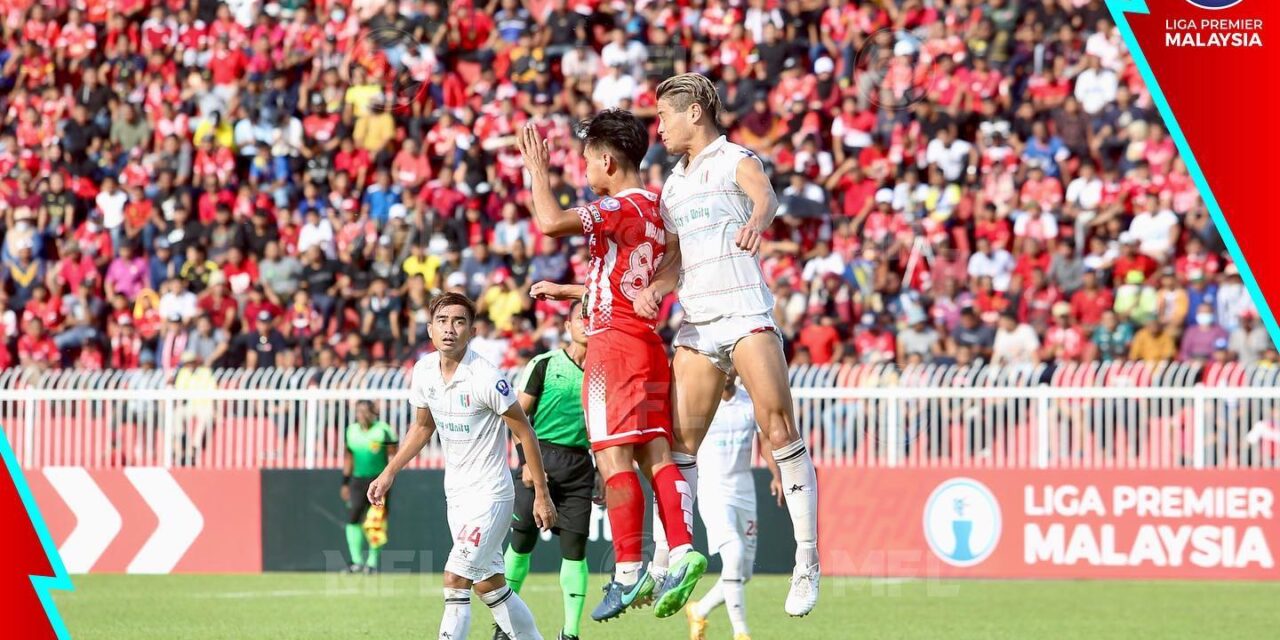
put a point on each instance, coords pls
(1064, 341)
(193, 417)
(257, 348)
(1250, 339)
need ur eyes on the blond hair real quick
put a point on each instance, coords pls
(691, 88)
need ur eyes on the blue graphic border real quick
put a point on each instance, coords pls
(1118, 10)
(42, 584)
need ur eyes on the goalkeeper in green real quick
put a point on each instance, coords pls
(370, 444)
(551, 394)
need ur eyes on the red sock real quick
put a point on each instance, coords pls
(625, 502)
(675, 505)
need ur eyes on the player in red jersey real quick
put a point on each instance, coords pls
(626, 388)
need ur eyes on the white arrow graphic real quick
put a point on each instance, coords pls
(97, 522)
(180, 520)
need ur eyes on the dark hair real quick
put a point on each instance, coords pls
(618, 131)
(452, 299)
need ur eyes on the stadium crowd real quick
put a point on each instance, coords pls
(287, 183)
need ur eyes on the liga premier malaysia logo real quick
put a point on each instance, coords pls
(1215, 4)
(962, 522)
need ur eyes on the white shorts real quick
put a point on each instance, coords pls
(478, 527)
(728, 523)
(717, 339)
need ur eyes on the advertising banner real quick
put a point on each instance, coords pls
(1049, 523)
(152, 520)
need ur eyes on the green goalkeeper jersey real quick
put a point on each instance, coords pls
(368, 448)
(556, 381)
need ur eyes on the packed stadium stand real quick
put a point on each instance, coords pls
(251, 184)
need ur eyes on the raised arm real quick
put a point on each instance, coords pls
(547, 214)
(764, 203)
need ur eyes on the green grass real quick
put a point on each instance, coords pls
(316, 606)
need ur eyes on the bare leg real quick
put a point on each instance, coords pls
(695, 394)
(762, 366)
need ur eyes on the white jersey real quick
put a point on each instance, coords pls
(724, 459)
(468, 415)
(703, 204)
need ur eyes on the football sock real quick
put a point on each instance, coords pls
(712, 599)
(688, 466)
(800, 484)
(457, 613)
(355, 543)
(374, 554)
(661, 552)
(573, 587)
(626, 573)
(517, 567)
(511, 614)
(625, 502)
(736, 602)
(675, 506)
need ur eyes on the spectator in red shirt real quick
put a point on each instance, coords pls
(36, 348)
(822, 340)
(1063, 341)
(220, 307)
(1131, 260)
(1091, 301)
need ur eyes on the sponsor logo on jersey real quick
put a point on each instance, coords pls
(610, 204)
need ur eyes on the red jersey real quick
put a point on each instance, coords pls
(627, 240)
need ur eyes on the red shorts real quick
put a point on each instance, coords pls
(626, 390)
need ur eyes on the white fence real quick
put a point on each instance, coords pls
(1113, 415)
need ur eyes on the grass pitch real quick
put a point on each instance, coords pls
(389, 607)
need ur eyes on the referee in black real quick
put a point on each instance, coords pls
(551, 395)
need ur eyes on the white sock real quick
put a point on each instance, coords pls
(735, 600)
(627, 573)
(677, 554)
(688, 466)
(713, 599)
(511, 614)
(457, 614)
(800, 485)
(661, 552)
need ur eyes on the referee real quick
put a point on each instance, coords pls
(370, 444)
(551, 394)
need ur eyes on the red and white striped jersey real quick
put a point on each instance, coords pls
(627, 240)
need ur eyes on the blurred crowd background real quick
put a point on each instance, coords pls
(281, 184)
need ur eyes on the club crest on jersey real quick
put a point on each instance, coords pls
(610, 204)
(465, 400)
(504, 388)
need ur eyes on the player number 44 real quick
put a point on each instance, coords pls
(469, 535)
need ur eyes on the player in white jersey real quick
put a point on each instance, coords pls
(716, 204)
(465, 399)
(727, 504)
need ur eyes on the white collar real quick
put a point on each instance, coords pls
(687, 163)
